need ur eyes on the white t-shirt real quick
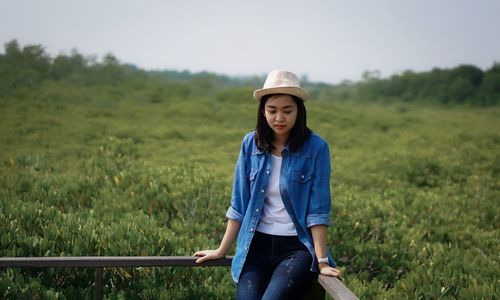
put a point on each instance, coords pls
(275, 218)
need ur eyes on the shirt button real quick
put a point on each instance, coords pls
(302, 176)
(262, 191)
(267, 172)
(257, 210)
(251, 229)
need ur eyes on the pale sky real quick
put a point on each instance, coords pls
(328, 41)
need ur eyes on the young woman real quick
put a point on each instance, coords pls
(280, 202)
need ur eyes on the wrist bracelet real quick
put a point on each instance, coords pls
(323, 260)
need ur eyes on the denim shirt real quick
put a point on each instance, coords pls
(304, 187)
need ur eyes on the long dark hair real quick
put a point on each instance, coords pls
(298, 135)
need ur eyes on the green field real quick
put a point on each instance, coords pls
(144, 167)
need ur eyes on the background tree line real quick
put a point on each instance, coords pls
(462, 84)
(28, 66)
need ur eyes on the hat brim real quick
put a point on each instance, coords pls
(288, 90)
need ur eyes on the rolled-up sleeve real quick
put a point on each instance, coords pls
(318, 212)
(234, 215)
(241, 190)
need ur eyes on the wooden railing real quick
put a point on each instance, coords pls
(334, 287)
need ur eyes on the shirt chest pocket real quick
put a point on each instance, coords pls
(302, 176)
(252, 177)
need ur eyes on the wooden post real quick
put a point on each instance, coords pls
(314, 291)
(98, 284)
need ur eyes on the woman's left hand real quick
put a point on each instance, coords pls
(325, 269)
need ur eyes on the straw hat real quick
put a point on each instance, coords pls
(281, 82)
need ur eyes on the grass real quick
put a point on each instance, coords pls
(415, 188)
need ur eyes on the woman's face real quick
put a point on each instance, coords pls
(281, 113)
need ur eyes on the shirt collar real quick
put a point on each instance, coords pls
(286, 148)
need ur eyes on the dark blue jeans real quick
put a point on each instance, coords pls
(277, 267)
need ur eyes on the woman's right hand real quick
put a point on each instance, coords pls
(208, 255)
(232, 229)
